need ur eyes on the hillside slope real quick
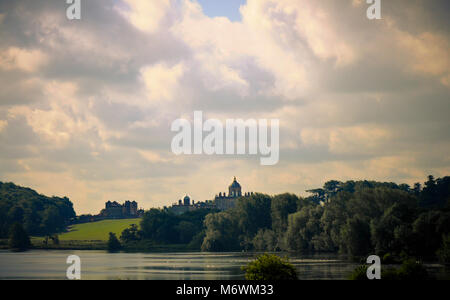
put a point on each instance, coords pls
(97, 231)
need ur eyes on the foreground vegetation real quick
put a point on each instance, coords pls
(270, 267)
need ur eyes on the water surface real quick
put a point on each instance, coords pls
(51, 264)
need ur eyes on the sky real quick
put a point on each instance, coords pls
(221, 8)
(86, 106)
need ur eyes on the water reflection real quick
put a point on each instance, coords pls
(40, 264)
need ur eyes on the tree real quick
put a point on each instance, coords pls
(222, 232)
(130, 234)
(444, 252)
(281, 207)
(303, 226)
(38, 214)
(19, 239)
(270, 267)
(113, 243)
(159, 226)
(356, 235)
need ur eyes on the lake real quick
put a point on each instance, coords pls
(51, 264)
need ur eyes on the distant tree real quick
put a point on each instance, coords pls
(281, 206)
(222, 232)
(55, 239)
(356, 236)
(253, 213)
(265, 240)
(331, 188)
(19, 239)
(159, 226)
(130, 234)
(186, 230)
(270, 267)
(303, 226)
(113, 243)
(444, 251)
(318, 195)
(39, 215)
(417, 188)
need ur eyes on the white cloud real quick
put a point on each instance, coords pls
(162, 82)
(25, 60)
(146, 15)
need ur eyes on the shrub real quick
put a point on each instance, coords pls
(270, 267)
(360, 273)
(113, 243)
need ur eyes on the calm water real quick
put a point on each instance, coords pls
(41, 264)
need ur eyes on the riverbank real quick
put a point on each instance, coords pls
(38, 244)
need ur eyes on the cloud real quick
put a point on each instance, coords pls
(3, 124)
(146, 15)
(86, 107)
(428, 54)
(162, 81)
(25, 60)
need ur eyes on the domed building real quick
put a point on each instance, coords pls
(223, 201)
(186, 200)
(235, 189)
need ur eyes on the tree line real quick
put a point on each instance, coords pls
(38, 214)
(353, 217)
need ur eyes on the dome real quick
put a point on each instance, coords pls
(235, 184)
(186, 200)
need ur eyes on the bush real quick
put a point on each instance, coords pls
(409, 270)
(113, 243)
(412, 270)
(360, 273)
(270, 267)
(18, 238)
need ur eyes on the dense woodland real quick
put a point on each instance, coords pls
(356, 218)
(353, 217)
(39, 215)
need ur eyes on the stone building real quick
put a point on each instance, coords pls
(224, 202)
(221, 201)
(186, 205)
(116, 210)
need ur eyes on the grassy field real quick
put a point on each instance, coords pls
(96, 231)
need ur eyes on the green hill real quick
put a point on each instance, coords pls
(97, 231)
(38, 214)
